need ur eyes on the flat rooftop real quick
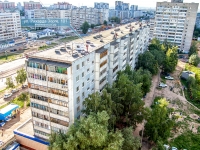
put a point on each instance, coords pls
(27, 128)
(75, 49)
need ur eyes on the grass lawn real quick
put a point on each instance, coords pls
(10, 57)
(46, 38)
(187, 140)
(19, 101)
(47, 46)
(67, 39)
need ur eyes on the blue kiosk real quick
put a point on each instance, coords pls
(6, 112)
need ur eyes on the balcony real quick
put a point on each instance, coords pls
(58, 75)
(58, 86)
(39, 102)
(57, 116)
(41, 120)
(40, 111)
(59, 123)
(46, 130)
(36, 70)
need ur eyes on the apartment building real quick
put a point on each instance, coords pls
(151, 24)
(198, 20)
(175, 22)
(77, 16)
(101, 5)
(7, 5)
(62, 5)
(32, 5)
(61, 78)
(10, 26)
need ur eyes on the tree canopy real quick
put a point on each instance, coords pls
(88, 133)
(148, 61)
(9, 83)
(85, 26)
(105, 22)
(194, 59)
(193, 49)
(159, 123)
(21, 76)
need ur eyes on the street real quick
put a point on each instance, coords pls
(11, 65)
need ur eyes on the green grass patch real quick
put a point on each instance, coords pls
(47, 46)
(67, 39)
(10, 57)
(187, 140)
(20, 100)
(194, 69)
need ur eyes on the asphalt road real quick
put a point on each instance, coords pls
(11, 65)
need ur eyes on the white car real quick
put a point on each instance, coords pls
(162, 85)
(169, 78)
(174, 148)
(14, 90)
(7, 95)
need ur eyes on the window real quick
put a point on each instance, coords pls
(88, 60)
(88, 79)
(77, 78)
(78, 100)
(88, 70)
(83, 94)
(92, 71)
(77, 67)
(83, 84)
(78, 109)
(83, 74)
(88, 88)
(92, 62)
(83, 64)
(92, 80)
(77, 89)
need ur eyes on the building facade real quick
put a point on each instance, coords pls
(175, 22)
(62, 5)
(61, 78)
(198, 20)
(77, 16)
(7, 5)
(10, 26)
(32, 5)
(101, 5)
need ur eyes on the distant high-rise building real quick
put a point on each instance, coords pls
(177, 1)
(118, 5)
(101, 5)
(32, 5)
(7, 5)
(10, 26)
(198, 20)
(134, 7)
(62, 5)
(19, 6)
(175, 22)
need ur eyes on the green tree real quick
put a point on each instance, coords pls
(159, 124)
(92, 26)
(9, 83)
(130, 142)
(193, 49)
(194, 60)
(129, 106)
(97, 102)
(85, 26)
(147, 61)
(171, 60)
(105, 22)
(21, 76)
(90, 133)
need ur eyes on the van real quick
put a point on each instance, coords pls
(7, 95)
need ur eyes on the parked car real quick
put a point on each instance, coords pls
(24, 85)
(2, 124)
(7, 95)
(174, 148)
(162, 85)
(14, 90)
(169, 78)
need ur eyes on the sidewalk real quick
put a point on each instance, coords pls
(11, 125)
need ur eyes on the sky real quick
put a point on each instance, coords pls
(90, 3)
